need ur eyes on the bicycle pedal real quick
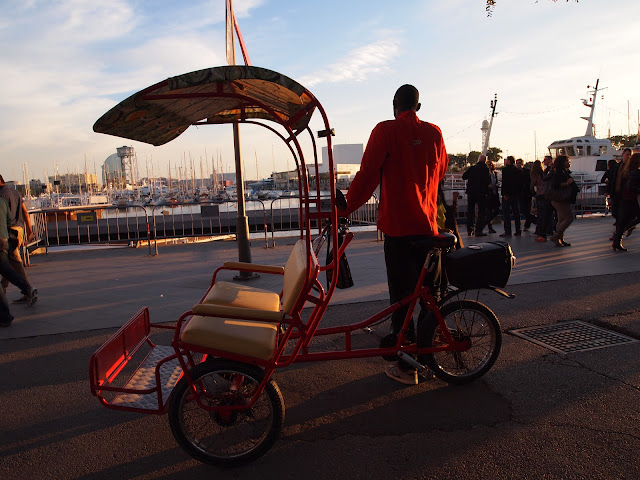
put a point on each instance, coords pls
(424, 371)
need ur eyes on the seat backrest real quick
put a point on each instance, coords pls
(295, 275)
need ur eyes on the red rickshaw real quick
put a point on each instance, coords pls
(216, 378)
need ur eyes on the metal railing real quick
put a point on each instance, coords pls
(97, 224)
(591, 198)
(204, 219)
(135, 224)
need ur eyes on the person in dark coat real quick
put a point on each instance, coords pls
(609, 180)
(478, 180)
(524, 200)
(617, 183)
(511, 191)
(549, 217)
(493, 201)
(628, 206)
(562, 182)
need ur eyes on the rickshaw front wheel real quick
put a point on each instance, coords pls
(225, 437)
(468, 321)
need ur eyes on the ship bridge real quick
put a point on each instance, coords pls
(589, 155)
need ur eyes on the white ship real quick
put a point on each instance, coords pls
(589, 155)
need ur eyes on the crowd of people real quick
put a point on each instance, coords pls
(544, 195)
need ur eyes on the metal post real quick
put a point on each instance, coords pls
(242, 225)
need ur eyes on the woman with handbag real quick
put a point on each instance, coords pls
(563, 194)
(628, 203)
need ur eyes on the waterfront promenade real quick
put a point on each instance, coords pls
(536, 414)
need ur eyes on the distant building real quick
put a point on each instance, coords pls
(346, 160)
(74, 182)
(285, 180)
(112, 173)
(37, 187)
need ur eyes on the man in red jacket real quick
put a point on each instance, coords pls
(408, 158)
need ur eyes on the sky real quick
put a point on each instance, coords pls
(66, 62)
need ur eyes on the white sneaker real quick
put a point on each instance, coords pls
(408, 378)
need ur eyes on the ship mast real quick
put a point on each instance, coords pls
(485, 143)
(592, 105)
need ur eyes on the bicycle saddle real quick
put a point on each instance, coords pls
(444, 240)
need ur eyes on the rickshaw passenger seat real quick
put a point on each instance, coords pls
(248, 337)
(242, 296)
(242, 337)
(295, 275)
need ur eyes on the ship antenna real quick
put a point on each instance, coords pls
(592, 105)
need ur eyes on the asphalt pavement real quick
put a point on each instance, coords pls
(537, 413)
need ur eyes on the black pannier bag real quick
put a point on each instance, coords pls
(344, 272)
(480, 265)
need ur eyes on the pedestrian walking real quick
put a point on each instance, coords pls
(628, 206)
(19, 231)
(564, 193)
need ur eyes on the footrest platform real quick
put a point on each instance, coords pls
(145, 378)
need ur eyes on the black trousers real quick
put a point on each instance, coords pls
(524, 203)
(474, 222)
(404, 257)
(509, 206)
(627, 214)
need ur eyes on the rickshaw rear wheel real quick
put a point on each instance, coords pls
(467, 320)
(225, 438)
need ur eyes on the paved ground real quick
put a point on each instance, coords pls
(536, 414)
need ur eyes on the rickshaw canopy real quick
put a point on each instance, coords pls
(227, 94)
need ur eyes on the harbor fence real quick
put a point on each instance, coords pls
(137, 225)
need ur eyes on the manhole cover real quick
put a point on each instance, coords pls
(574, 336)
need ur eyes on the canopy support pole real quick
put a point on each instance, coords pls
(242, 224)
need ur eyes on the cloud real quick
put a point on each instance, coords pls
(357, 65)
(242, 7)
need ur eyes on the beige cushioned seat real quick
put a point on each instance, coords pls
(242, 296)
(295, 274)
(243, 337)
(247, 337)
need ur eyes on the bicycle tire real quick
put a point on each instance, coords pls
(469, 320)
(231, 440)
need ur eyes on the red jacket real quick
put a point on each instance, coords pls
(411, 156)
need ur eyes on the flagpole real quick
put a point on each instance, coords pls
(242, 224)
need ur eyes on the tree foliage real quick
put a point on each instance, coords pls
(457, 161)
(492, 3)
(493, 154)
(622, 141)
(472, 158)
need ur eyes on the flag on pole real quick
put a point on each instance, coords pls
(230, 21)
